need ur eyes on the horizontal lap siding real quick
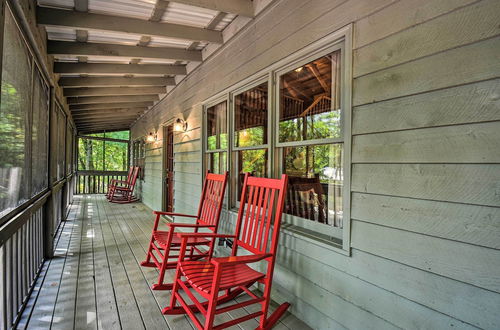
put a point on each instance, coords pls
(425, 174)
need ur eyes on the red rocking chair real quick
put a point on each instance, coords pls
(164, 242)
(113, 183)
(125, 194)
(259, 219)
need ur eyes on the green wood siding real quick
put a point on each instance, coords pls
(425, 172)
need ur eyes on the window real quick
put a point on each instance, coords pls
(217, 138)
(103, 152)
(139, 155)
(310, 141)
(250, 133)
(295, 120)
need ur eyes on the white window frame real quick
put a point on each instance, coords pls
(233, 159)
(335, 239)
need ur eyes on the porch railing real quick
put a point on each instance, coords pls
(21, 256)
(96, 182)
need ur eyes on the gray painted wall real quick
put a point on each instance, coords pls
(425, 174)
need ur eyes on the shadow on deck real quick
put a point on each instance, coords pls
(95, 280)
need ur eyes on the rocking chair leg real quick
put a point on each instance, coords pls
(160, 285)
(147, 262)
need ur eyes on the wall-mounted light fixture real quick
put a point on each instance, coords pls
(152, 137)
(180, 125)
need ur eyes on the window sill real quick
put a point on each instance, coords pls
(328, 242)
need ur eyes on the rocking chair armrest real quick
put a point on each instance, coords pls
(119, 181)
(239, 259)
(174, 214)
(188, 225)
(203, 235)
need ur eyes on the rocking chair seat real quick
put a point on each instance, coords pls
(200, 275)
(161, 237)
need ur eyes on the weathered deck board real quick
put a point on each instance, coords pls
(96, 280)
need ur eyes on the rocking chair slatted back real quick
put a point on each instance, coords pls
(259, 216)
(134, 177)
(130, 173)
(212, 199)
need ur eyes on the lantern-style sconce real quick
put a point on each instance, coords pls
(152, 137)
(180, 125)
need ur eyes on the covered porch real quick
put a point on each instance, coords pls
(95, 279)
(384, 115)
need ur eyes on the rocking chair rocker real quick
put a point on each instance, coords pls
(259, 219)
(164, 242)
(125, 194)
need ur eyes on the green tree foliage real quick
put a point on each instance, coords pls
(99, 155)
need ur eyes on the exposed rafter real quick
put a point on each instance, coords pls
(238, 7)
(111, 99)
(104, 68)
(74, 19)
(118, 105)
(115, 81)
(95, 91)
(94, 49)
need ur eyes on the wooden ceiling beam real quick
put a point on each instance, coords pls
(95, 91)
(90, 21)
(96, 49)
(111, 99)
(105, 68)
(115, 81)
(238, 7)
(106, 112)
(119, 105)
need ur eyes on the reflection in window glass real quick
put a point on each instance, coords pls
(217, 162)
(315, 186)
(217, 126)
(253, 162)
(250, 117)
(310, 100)
(115, 156)
(14, 108)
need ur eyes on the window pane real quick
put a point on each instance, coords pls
(250, 117)
(310, 101)
(217, 162)
(39, 135)
(116, 156)
(253, 162)
(14, 107)
(217, 126)
(315, 182)
(122, 135)
(90, 155)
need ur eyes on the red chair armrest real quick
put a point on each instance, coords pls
(207, 235)
(188, 225)
(174, 214)
(239, 259)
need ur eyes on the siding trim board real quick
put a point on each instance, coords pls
(425, 177)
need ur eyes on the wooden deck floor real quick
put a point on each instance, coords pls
(95, 280)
